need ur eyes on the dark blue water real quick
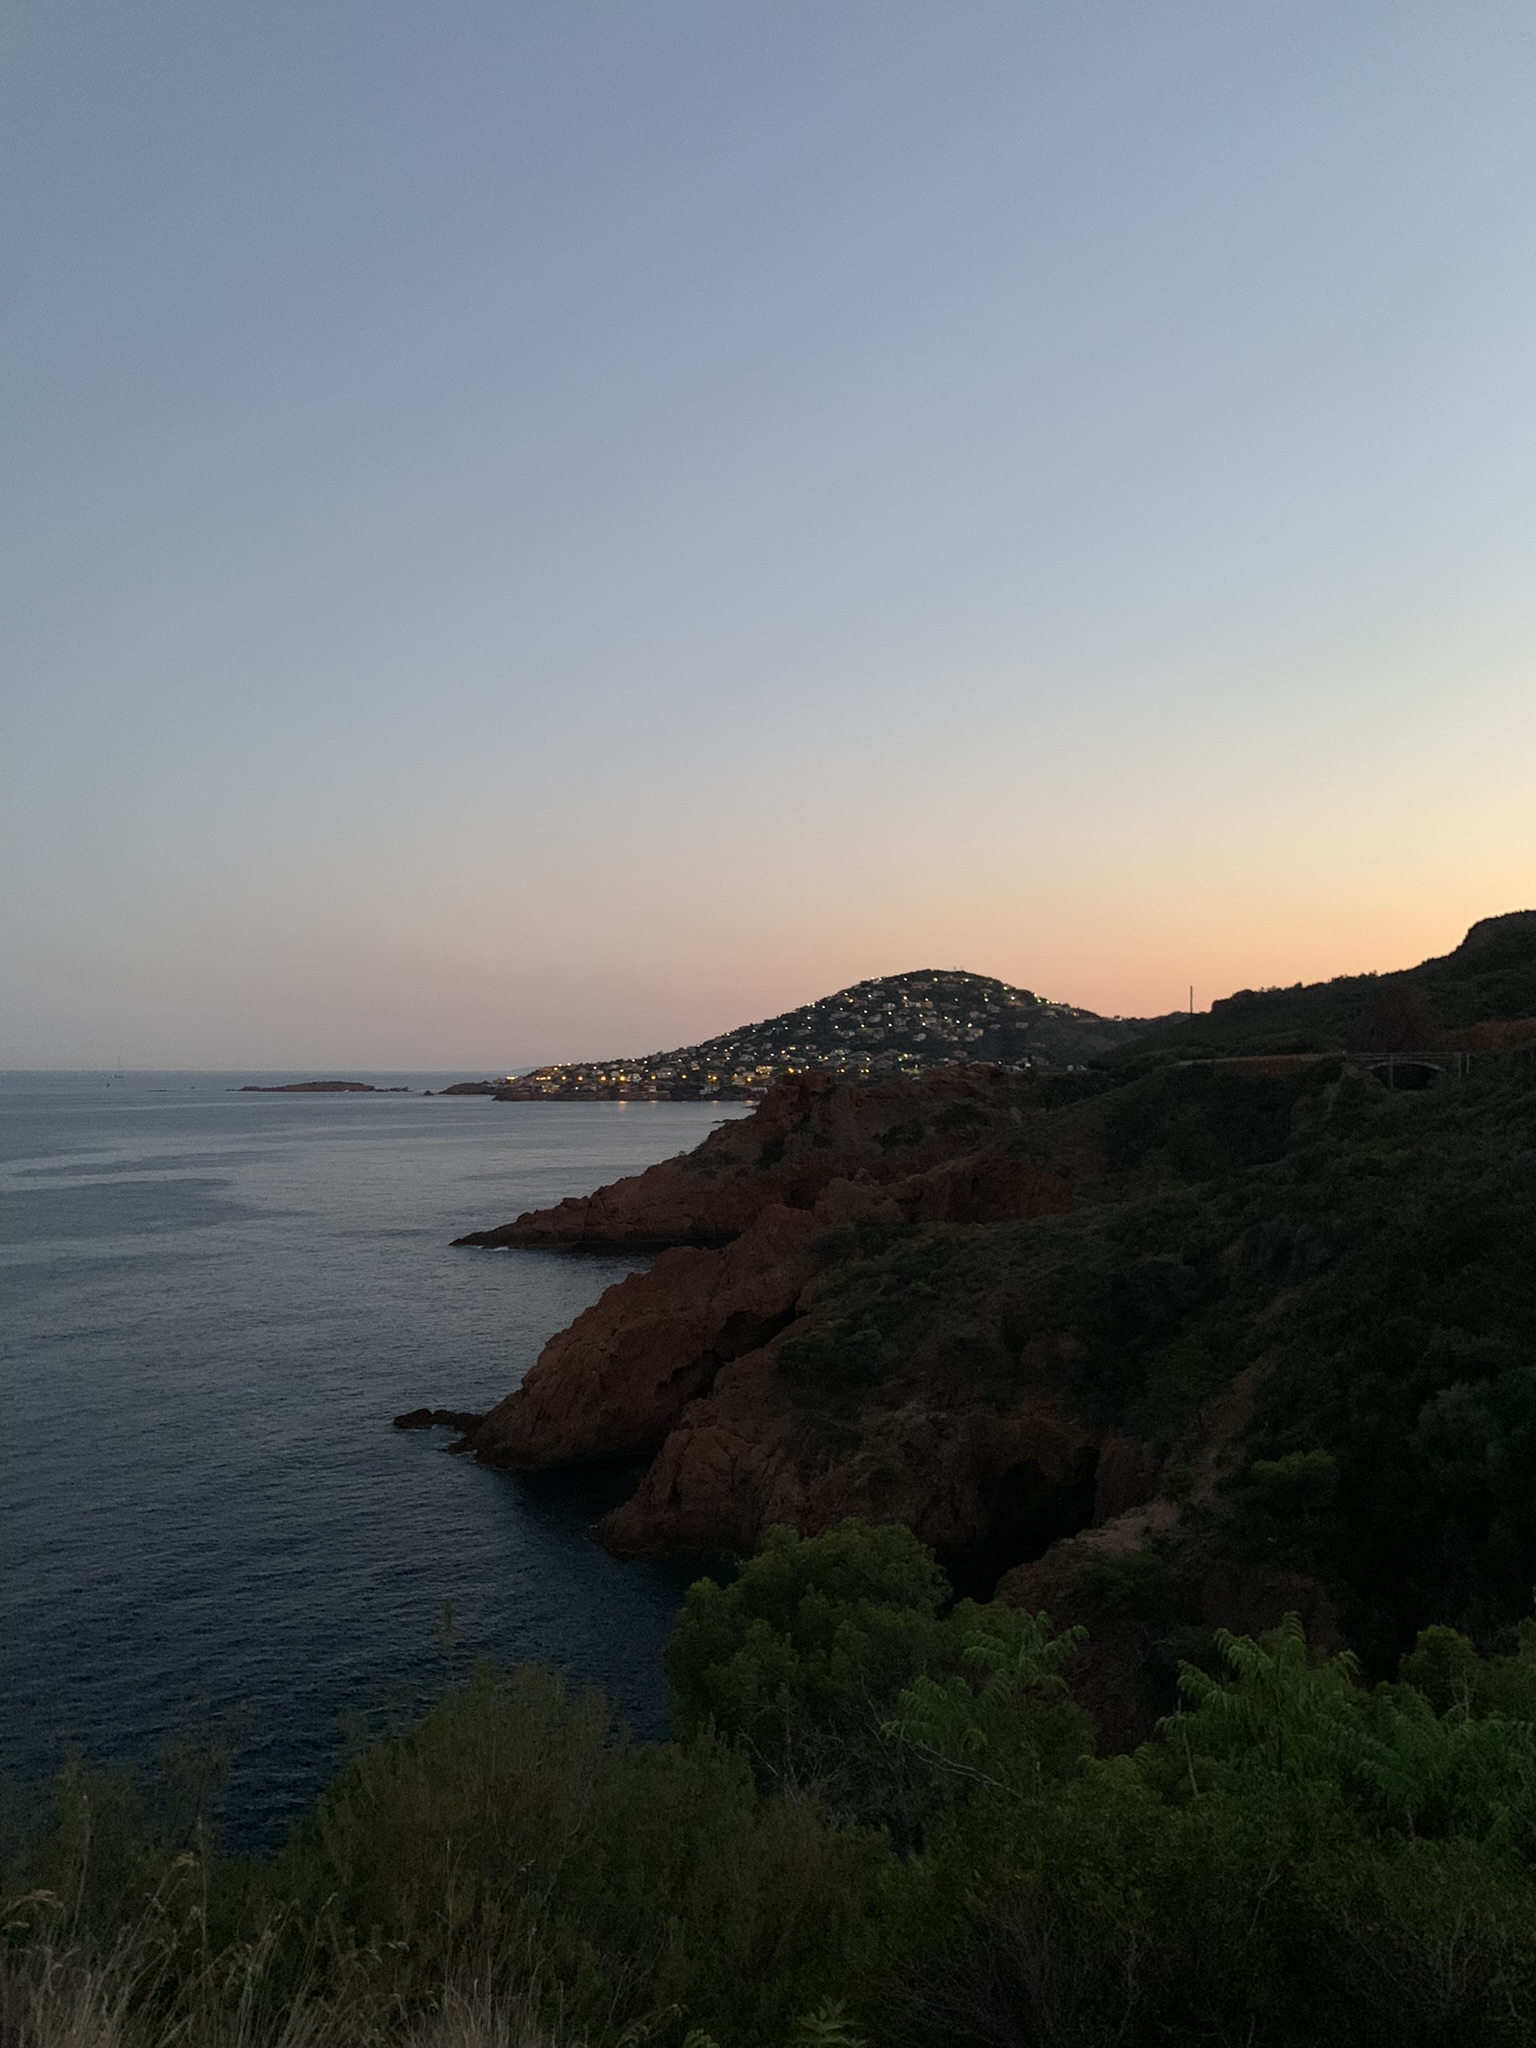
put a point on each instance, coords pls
(214, 1304)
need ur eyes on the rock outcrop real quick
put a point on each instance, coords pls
(620, 1378)
(967, 1481)
(761, 1390)
(809, 1131)
(614, 1383)
(855, 1313)
(439, 1418)
(678, 1363)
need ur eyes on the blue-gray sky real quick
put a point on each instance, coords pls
(548, 529)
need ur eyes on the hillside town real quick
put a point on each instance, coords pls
(896, 1024)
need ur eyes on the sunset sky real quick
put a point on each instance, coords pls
(546, 530)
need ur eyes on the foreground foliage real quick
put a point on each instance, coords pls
(882, 1822)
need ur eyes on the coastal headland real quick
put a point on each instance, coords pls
(1157, 1342)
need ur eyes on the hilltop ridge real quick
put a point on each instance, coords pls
(892, 1024)
(1479, 997)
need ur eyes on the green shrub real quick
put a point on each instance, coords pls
(1300, 1483)
(1128, 1582)
(617, 1884)
(1296, 1857)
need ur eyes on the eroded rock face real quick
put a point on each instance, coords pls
(610, 1385)
(678, 1363)
(1125, 1478)
(613, 1384)
(809, 1131)
(739, 1461)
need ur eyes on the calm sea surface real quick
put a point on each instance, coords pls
(214, 1304)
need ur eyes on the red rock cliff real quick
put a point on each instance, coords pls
(809, 1131)
(678, 1363)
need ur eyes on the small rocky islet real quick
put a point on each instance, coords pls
(317, 1088)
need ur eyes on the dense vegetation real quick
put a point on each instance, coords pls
(1490, 976)
(1363, 1261)
(881, 1821)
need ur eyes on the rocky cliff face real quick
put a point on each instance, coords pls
(954, 1125)
(683, 1364)
(953, 1390)
(969, 1481)
(621, 1377)
(615, 1383)
(916, 1300)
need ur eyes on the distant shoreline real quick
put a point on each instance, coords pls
(316, 1088)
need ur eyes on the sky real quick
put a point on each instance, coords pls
(535, 529)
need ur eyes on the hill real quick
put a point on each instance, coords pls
(895, 1024)
(1464, 1001)
(1480, 997)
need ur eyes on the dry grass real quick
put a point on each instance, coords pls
(480, 2017)
(65, 1995)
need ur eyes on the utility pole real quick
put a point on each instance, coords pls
(1191, 999)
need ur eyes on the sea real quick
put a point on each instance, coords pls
(215, 1302)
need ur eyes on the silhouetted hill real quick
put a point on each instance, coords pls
(896, 1024)
(1455, 1002)
(1192, 1338)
